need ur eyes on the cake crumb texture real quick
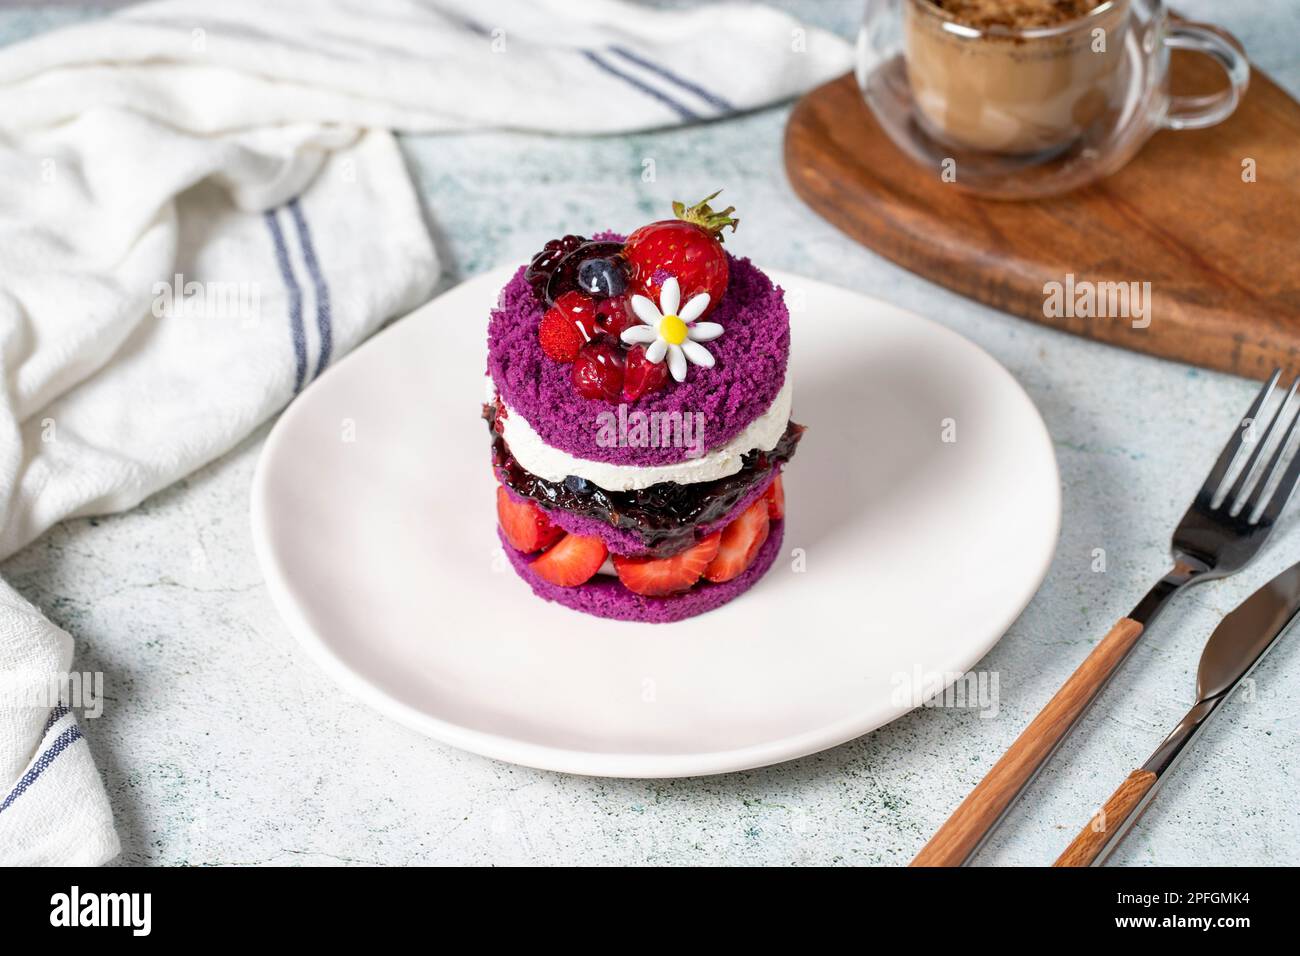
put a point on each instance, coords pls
(751, 357)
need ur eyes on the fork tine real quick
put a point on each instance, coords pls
(1241, 485)
(1229, 453)
(1285, 486)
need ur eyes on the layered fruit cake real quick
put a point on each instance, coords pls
(639, 409)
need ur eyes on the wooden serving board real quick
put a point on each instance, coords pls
(1222, 255)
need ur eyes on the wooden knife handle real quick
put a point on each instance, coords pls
(1121, 805)
(959, 837)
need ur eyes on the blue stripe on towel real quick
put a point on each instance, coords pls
(323, 316)
(711, 98)
(61, 743)
(683, 111)
(296, 331)
(57, 713)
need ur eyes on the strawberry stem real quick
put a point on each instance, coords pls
(705, 217)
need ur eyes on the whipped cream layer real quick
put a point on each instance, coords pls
(544, 461)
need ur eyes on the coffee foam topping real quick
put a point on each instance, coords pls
(1014, 14)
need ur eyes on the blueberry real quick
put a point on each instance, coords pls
(602, 277)
(579, 486)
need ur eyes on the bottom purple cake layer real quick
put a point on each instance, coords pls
(605, 596)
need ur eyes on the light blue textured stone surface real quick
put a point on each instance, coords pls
(222, 743)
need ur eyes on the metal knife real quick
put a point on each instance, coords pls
(1240, 642)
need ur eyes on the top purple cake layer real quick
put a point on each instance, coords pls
(750, 368)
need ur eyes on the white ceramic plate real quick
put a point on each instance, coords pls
(374, 521)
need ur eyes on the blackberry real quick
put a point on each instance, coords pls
(545, 262)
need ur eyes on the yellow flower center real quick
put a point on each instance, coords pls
(672, 330)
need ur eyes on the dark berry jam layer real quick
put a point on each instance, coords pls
(663, 516)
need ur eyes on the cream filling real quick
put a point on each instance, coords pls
(762, 434)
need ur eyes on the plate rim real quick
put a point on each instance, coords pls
(602, 763)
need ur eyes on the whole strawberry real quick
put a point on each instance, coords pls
(688, 247)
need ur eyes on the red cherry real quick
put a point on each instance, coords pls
(567, 325)
(598, 370)
(641, 376)
(615, 314)
(580, 309)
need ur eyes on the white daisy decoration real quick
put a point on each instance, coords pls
(666, 330)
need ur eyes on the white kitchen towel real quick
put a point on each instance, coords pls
(202, 205)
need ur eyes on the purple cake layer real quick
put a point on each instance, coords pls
(604, 596)
(622, 541)
(751, 357)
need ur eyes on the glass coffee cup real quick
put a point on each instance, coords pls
(1021, 110)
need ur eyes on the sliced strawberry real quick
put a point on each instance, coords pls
(572, 561)
(740, 542)
(656, 577)
(775, 498)
(526, 526)
(641, 376)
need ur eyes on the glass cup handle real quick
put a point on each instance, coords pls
(1198, 112)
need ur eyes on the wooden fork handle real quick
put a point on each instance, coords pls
(1113, 815)
(979, 813)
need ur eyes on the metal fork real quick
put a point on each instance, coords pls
(1221, 532)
